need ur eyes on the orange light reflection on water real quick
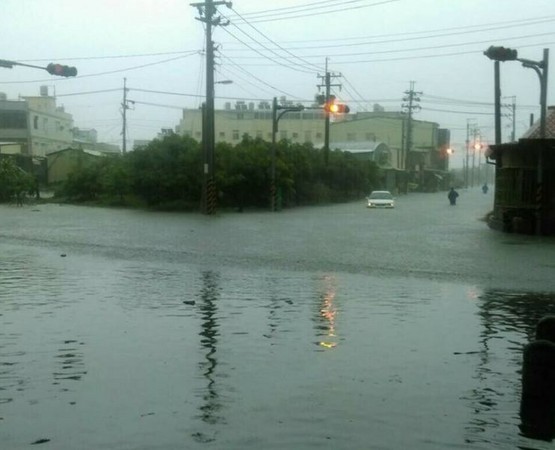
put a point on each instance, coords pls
(328, 312)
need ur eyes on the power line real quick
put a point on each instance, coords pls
(458, 112)
(307, 64)
(136, 55)
(407, 58)
(88, 92)
(302, 7)
(258, 79)
(142, 66)
(265, 56)
(267, 18)
(430, 34)
(415, 49)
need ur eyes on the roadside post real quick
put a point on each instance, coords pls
(537, 406)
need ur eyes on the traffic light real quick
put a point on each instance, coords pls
(501, 53)
(336, 108)
(61, 70)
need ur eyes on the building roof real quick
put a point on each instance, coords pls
(69, 149)
(534, 131)
(358, 146)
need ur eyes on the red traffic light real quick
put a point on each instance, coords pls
(336, 108)
(501, 53)
(61, 70)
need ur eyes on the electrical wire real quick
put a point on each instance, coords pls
(267, 18)
(142, 66)
(415, 49)
(86, 58)
(302, 7)
(307, 64)
(88, 92)
(265, 56)
(242, 69)
(409, 36)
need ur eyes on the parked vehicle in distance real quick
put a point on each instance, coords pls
(380, 199)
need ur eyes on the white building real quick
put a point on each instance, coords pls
(36, 124)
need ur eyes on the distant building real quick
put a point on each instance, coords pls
(62, 162)
(36, 124)
(425, 166)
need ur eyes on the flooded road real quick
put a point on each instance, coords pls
(331, 327)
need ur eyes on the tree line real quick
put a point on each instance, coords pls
(167, 174)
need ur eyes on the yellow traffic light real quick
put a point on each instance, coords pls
(336, 108)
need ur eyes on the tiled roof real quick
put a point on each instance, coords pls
(534, 131)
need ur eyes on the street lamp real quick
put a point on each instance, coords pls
(275, 120)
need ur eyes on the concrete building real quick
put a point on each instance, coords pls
(425, 166)
(36, 124)
(62, 162)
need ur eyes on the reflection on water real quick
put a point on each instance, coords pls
(70, 363)
(508, 323)
(210, 409)
(327, 312)
(159, 350)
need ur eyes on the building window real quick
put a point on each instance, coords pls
(36, 122)
(235, 135)
(351, 137)
(240, 116)
(13, 119)
(295, 135)
(371, 137)
(222, 134)
(318, 135)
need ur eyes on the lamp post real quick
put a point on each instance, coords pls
(275, 120)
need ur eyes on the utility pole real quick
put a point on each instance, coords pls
(327, 84)
(467, 142)
(124, 108)
(474, 149)
(412, 98)
(207, 10)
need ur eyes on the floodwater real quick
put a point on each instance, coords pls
(331, 327)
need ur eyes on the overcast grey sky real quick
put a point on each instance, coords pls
(274, 49)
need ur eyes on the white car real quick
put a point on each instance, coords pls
(381, 199)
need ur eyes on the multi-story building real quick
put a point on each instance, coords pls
(36, 124)
(377, 135)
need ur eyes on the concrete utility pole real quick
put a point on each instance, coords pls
(124, 108)
(207, 10)
(512, 116)
(412, 98)
(469, 129)
(327, 84)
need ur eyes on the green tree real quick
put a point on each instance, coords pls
(15, 183)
